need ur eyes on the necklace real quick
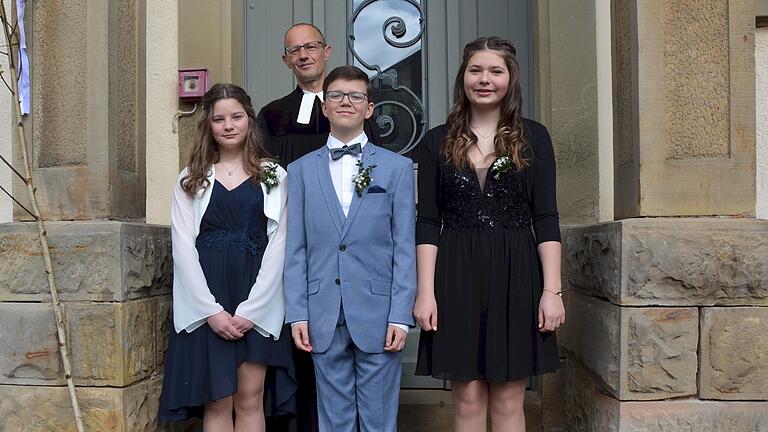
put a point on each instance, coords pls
(483, 137)
(231, 171)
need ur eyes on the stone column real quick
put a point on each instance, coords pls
(667, 316)
(86, 128)
(684, 80)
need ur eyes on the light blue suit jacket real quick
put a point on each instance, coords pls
(367, 260)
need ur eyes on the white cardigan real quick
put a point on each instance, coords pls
(193, 302)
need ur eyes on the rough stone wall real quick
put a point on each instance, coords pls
(667, 325)
(115, 282)
(697, 64)
(60, 122)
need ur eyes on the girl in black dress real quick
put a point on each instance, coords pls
(226, 360)
(488, 245)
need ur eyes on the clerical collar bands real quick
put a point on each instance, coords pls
(307, 103)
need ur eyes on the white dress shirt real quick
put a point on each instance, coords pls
(307, 103)
(344, 168)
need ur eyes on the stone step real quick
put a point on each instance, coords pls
(432, 411)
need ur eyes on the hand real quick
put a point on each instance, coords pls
(300, 333)
(395, 340)
(241, 324)
(551, 312)
(221, 324)
(425, 312)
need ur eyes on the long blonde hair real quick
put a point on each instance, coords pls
(510, 139)
(205, 150)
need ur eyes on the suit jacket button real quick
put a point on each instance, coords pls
(343, 248)
(338, 282)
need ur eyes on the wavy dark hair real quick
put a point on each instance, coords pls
(205, 149)
(510, 139)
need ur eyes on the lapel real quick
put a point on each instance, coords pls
(326, 186)
(368, 158)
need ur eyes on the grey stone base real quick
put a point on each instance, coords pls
(589, 409)
(115, 282)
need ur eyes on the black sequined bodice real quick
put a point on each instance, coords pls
(503, 203)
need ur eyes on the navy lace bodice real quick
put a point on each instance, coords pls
(235, 218)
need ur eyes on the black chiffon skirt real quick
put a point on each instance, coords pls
(487, 288)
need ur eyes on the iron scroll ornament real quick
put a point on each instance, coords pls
(398, 28)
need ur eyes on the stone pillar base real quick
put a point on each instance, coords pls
(590, 409)
(114, 282)
(43, 408)
(666, 325)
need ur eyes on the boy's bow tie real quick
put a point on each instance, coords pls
(354, 150)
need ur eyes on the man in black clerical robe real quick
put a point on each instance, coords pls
(293, 126)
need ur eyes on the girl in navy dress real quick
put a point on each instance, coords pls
(226, 360)
(488, 245)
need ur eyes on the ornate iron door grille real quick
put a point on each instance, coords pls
(394, 61)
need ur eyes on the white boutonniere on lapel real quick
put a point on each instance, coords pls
(269, 176)
(501, 166)
(363, 178)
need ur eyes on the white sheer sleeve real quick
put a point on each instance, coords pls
(193, 302)
(265, 305)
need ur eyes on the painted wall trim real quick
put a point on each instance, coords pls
(6, 139)
(162, 145)
(604, 109)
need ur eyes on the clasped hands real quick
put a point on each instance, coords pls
(229, 327)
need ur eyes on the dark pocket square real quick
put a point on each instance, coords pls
(376, 189)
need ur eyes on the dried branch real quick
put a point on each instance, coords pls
(6, 83)
(13, 169)
(11, 37)
(18, 203)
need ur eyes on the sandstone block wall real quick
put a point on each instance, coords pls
(115, 280)
(667, 324)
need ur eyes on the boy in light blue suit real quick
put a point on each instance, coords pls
(350, 270)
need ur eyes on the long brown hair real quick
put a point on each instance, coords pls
(509, 139)
(205, 150)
